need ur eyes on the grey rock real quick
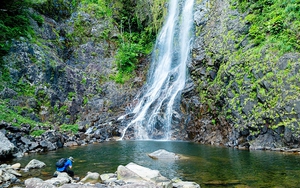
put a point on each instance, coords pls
(37, 182)
(91, 177)
(163, 154)
(6, 147)
(61, 179)
(186, 185)
(7, 93)
(34, 164)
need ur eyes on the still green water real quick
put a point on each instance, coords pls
(209, 166)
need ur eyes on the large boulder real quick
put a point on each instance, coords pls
(127, 175)
(61, 179)
(136, 172)
(6, 147)
(37, 182)
(109, 177)
(34, 164)
(91, 177)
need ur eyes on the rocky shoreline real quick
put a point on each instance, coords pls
(16, 142)
(129, 176)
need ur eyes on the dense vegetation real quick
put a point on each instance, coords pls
(254, 83)
(14, 22)
(138, 30)
(273, 22)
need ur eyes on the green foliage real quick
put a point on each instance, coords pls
(24, 88)
(132, 47)
(138, 32)
(64, 109)
(213, 121)
(127, 56)
(85, 100)
(14, 22)
(84, 80)
(71, 95)
(126, 17)
(120, 77)
(12, 25)
(275, 25)
(38, 18)
(4, 75)
(37, 133)
(97, 8)
(66, 127)
(14, 117)
(256, 34)
(273, 21)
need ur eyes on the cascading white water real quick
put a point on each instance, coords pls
(167, 75)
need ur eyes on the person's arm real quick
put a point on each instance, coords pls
(69, 163)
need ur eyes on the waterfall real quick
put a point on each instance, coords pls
(166, 79)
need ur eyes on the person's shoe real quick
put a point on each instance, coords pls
(76, 178)
(55, 174)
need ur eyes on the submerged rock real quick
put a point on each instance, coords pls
(183, 184)
(163, 154)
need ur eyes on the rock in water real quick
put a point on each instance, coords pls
(34, 164)
(163, 154)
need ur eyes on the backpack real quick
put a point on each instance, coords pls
(61, 162)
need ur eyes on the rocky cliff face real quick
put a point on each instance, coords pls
(235, 101)
(65, 78)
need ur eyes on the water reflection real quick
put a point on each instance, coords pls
(208, 166)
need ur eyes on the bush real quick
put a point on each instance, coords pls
(127, 55)
(37, 133)
(38, 18)
(12, 26)
(66, 127)
(273, 22)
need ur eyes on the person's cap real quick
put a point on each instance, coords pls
(71, 158)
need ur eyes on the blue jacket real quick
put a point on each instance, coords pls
(68, 163)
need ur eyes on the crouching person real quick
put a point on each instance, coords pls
(67, 166)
